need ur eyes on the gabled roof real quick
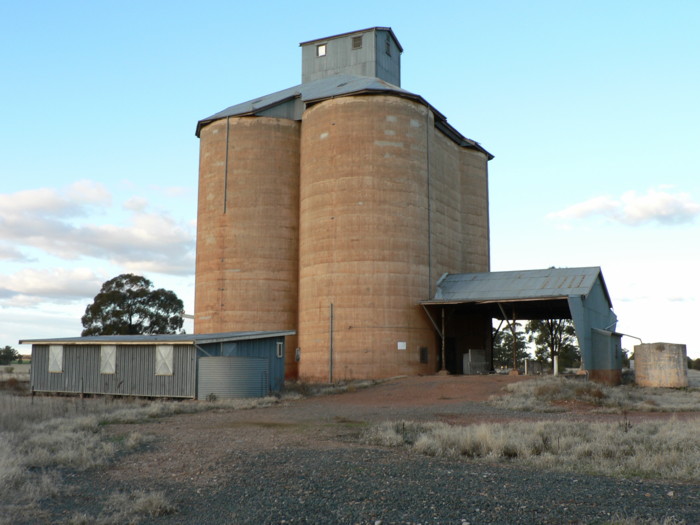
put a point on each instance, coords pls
(521, 285)
(336, 86)
(182, 339)
(368, 30)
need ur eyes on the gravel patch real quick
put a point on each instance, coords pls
(367, 485)
(303, 462)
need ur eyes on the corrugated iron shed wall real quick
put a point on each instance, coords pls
(135, 372)
(342, 56)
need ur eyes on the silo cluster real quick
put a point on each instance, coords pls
(333, 212)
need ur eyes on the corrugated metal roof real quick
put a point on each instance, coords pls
(183, 339)
(519, 285)
(337, 86)
(323, 88)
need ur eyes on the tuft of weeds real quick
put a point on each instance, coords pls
(131, 508)
(542, 395)
(668, 449)
(124, 507)
(300, 389)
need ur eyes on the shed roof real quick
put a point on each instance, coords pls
(182, 339)
(336, 86)
(552, 283)
(579, 294)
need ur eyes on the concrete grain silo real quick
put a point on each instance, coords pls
(247, 226)
(364, 236)
(333, 208)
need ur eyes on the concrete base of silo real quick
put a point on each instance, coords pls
(661, 365)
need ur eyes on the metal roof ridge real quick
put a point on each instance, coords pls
(367, 30)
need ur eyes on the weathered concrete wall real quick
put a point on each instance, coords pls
(362, 205)
(247, 227)
(661, 365)
(476, 245)
(459, 225)
(363, 238)
(383, 215)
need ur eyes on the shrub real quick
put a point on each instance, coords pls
(669, 449)
(541, 395)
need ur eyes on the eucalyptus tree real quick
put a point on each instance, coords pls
(555, 342)
(129, 305)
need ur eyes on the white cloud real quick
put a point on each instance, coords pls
(73, 201)
(135, 204)
(174, 191)
(62, 224)
(29, 287)
(633, 209)
(9, 253)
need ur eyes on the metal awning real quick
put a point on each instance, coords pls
(579, 294)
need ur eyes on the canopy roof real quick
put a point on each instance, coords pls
(523, 294)
(578, 294)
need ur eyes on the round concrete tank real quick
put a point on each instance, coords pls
(661, 365)
(247, 227)
(364, 239)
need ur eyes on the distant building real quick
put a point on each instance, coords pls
(332, 208)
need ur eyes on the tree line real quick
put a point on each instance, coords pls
(551, 338)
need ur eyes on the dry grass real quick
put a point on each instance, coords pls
(644, 521)
(130, 508)
(43, 434)
(542, 395)
(300, 389)
(669, 449)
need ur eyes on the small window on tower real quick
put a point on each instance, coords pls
(321, 50)
(387, 46)
(357, 42)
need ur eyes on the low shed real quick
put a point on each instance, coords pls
(223, 365)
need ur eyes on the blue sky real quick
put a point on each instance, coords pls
(590, 108)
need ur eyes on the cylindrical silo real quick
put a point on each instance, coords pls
(247, 227)
(474, 191)
(364, 247)
(661, 365)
